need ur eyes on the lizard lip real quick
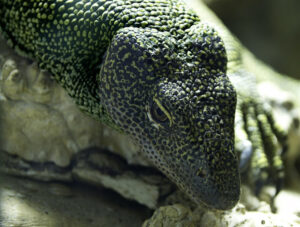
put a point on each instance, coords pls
(217, 190)
(224, 200)
(225, 203)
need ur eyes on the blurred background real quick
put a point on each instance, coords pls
(268, 28)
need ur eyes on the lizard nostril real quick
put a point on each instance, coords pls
(201, 173)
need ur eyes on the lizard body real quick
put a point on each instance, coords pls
(151, 69)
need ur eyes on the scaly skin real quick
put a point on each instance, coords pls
(150, 69)
(259, 141)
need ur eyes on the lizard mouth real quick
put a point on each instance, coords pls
(221, 199)
(210, 178)
(218, 190)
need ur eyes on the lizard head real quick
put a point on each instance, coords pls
(177, 103)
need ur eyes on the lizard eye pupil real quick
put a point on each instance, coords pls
(201, 173)
(158, 114)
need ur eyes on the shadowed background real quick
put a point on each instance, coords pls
(270, 29)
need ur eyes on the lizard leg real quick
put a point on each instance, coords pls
(259, 141)
(267, 140)
(274, 141)
(258, 164)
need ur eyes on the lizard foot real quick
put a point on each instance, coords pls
(260, 145)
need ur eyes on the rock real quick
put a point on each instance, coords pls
(182, 216)
(100, 168)
(41, 122)
(137, 183)
(32, 203)
(175, 215)
(43, 132)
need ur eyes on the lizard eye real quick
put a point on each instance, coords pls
(201, 173)
(158, 112)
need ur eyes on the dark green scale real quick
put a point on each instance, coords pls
(148, 68)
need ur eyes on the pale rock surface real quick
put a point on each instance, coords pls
(42, 132)
(178, 215)
(39, 121)
(28, 203)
